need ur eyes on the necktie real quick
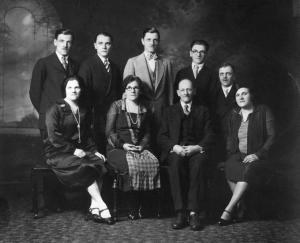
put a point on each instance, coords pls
(195, 70)
(107, 65)
(151, 56)
(186, 110)
(226, 92)
(64, 62)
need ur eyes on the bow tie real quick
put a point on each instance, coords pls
(150, 56)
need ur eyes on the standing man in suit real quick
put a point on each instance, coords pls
(48, 74)
(198, 72)
(155, 72)
(103, 82)
(223, 101)
(185, 137)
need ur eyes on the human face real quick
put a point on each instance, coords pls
(150, 42)
(198, 54)
(185, 91)
(103, 45)
(73, 90)
(226, 76)
(63, 44)
(132, 91)
(243, 98)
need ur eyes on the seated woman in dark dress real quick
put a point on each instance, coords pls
(250, 136)
(127, 131)
(70, 150)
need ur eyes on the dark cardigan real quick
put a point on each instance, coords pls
(261, 132)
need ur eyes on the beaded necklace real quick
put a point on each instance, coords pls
(74, 111)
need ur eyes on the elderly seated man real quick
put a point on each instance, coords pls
(185, 137)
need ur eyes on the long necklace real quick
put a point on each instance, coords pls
(130, 117)
(78, 122)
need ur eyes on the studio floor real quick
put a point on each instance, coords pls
(17, 225)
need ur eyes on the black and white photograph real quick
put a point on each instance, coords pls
(149, 121)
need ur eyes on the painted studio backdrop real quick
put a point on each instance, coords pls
(259, 37)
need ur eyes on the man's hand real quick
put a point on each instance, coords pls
(179, 150)
(250, 158)
(192, 149)
(79, 153)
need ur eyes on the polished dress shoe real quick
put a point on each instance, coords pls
(180, 221)
(97, 217)
(195, 223)
(225, 222)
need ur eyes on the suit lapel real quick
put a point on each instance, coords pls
(159, 72)
(177, 121)
(56, 62)
(142, 66)
(191, 73)
(108, 76)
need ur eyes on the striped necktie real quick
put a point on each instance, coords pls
(64, 62)
(186, 110)
(195, 70)
(107, 65)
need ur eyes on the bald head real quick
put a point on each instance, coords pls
(185, 90)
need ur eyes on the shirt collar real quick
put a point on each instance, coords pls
(60, 57)
(200, 66)
(226, 88)
(103, 59)
(184, 104)
(146, 54)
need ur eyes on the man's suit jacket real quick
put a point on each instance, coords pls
(169, 133)
(222, 106)
(204, 83)
(102, 87)
(45, 87)
(162, 94)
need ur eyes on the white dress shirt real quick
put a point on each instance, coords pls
(226, 90)
(151, 63)
(60, 58)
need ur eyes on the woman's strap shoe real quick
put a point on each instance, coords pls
(225, 222)
(97, 217)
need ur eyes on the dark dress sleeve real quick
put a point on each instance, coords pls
(270, 134)
(90, 144)
(55, 133)
(110, 131)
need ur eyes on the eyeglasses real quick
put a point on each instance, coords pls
(132, 88)
(198, 52)
(186, 90)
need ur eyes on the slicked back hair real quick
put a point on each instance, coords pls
(151, 30)
(64, 32)
(200, 42)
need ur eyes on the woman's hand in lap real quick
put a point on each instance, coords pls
(79, 153)
(129, 147)
(101, 156)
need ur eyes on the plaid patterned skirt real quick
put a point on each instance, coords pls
(143, 170)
